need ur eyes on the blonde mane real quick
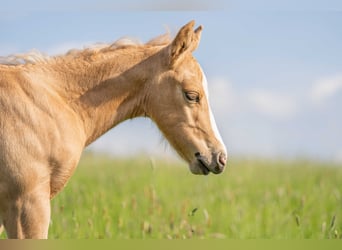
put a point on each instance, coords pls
(35, 56)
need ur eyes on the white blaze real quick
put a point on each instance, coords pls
(212, 119)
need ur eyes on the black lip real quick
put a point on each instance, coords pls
(203, 166)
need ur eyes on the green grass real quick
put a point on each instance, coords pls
(139, 198)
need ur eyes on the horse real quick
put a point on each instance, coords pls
(52, 107)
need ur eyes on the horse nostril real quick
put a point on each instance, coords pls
(222, 159)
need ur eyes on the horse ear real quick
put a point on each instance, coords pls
(186, 41)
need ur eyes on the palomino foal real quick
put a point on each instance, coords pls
(51, 108)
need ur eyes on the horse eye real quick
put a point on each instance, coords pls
(191, 96)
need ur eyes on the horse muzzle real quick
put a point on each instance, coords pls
(205, 165)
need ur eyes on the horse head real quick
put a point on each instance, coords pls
(180, 106)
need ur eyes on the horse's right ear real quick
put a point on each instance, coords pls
(186, 41)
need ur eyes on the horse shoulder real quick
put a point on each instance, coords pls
(41, 137)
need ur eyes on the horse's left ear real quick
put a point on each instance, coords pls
(186, 41)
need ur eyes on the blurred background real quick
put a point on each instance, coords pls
(274, 69)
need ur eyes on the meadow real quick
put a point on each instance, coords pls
(142, 198)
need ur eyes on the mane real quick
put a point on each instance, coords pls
(35, 56)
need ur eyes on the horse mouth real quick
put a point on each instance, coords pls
(203, 166)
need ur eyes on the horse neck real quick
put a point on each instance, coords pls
(109, 90)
